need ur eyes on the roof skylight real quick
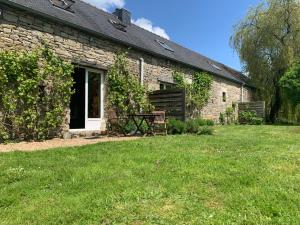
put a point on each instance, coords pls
(118, 25)
(63, 4)
(164, 45)
(215, 66)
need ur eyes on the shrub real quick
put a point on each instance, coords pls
(205, 130)
(256, 121)
(35, 91)
(176, 127)
(222, 119)
(192, 126)
(250, 117)
(283, 121)
(204, 122)
(210, 123)
(229, 115)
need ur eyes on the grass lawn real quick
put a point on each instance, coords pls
(241, 175)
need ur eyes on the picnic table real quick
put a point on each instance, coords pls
(139, 119)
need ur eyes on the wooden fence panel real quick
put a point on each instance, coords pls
(170, 101)
(258, 107)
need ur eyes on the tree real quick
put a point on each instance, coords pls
(126, 94)
(268, 42)
(290, 83)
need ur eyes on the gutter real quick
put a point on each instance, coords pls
(142, 71)
(64, 22)
(242, 97)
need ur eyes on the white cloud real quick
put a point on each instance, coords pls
(141, 22)
(148, 25)
(106, 4)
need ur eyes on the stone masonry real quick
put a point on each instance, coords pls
(21, 31)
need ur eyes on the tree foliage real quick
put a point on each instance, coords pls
(126, 94)
(197, 91)
(290, 83)
(35, 90)
(268, 41)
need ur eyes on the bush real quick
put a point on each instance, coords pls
(222, 119)
(205, 130)
(250, 117)
(256, 121)
(286, 122)
(176, 127)
(192, 126)
(35, 91)
(210, 123)
(204, 122)
(230, 118)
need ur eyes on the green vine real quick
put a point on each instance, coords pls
(35, 90)
(197, 91)
(126, 94)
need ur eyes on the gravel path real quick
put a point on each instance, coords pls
(59, 143)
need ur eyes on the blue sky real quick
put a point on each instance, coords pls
(204, 26)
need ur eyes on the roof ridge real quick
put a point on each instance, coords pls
(95, 20)
(168, 40)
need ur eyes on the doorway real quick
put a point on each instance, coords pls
(77, 105)
(87, 104)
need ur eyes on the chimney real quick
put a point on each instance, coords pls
(123, 15)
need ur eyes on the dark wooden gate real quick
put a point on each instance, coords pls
(258, 107)
(170, 101)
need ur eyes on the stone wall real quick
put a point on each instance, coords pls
(248, 94)
(22, 31)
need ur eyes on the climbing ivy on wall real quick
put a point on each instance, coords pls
(197, 91)
(126, 94)
(35, 91)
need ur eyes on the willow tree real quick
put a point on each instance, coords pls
(268, 41)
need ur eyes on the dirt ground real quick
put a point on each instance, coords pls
(59, 143)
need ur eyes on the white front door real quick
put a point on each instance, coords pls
(94, 99)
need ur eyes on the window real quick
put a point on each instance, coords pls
(214, 66)
(94, 95)
(224, 97)
(164, 45)
(166, 86)
(118, 25)
(63, 4)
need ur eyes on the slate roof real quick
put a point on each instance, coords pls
(93, 20)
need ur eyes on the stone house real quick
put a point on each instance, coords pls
(90, 37)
